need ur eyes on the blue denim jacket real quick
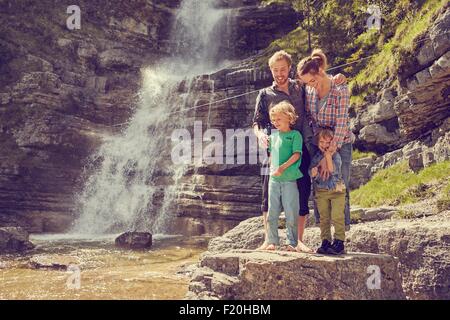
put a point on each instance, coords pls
(335, 177)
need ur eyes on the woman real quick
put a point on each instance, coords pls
(327, 104)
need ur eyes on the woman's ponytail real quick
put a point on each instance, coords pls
(320, 57)
(317, 60)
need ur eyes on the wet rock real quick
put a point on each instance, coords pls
(243, 274)
(97, 83)
(134, 240)
(14, 239)
(53, 262)
(80, 87)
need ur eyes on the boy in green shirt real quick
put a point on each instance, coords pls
(285, 146)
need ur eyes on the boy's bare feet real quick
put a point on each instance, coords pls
(290, 248)
(263, 246)
(267, 246)
(301, 247)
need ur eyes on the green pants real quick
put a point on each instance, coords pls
(331, 206)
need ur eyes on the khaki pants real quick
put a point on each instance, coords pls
(331, 206)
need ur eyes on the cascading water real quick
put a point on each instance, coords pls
(122, 192)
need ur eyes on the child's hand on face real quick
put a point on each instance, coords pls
(314, 172)
(332, 148)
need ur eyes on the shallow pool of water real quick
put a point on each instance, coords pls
(99, 270)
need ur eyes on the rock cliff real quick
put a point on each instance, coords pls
(419, 103)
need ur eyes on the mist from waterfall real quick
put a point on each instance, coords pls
(121, 193)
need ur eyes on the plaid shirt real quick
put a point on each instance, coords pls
(333, 115)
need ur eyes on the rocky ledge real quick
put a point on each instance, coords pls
(247, 274)
(420, 245)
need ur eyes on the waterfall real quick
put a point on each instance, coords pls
(123, 192)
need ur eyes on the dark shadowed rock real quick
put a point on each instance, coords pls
(14, 239)
(53, 262)
(134, 240)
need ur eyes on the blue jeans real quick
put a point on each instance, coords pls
(346, 156)
(283, 196)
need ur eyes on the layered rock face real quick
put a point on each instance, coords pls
(245, 274)
(419, 104)
(253, 27)
(215, 197)
(63, 91)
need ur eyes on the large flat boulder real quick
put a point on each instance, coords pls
(248, 274)
(421, 245)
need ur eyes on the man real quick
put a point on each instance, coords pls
(284, 88)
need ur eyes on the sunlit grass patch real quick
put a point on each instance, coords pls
(399, 185)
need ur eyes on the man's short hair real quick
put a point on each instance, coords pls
(280, 55)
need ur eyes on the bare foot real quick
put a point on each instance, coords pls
(263, 246)
(301, 247)
(290, 248)
(271, 247)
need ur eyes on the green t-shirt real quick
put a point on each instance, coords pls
(282, 145)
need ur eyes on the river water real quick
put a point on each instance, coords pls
(99, 270)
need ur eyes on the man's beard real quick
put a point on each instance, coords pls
(281, 82)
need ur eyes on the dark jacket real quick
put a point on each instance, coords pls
(270, 96)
